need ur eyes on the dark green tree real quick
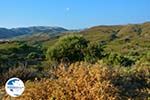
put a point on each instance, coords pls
(94, 52)
(68, 48)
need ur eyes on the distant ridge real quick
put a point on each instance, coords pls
(103, 31)
(13, 32)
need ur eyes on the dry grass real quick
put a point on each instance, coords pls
(82, 81)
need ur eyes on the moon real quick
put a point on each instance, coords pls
(68, 9)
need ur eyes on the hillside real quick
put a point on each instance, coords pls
(117, 38)
(102, 62)
(101, 33)
(135, 37)
(11, 33)
(125, 39)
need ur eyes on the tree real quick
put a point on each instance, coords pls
(94, 52)
(68, 48)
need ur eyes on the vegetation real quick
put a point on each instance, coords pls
(69, 48)
(102, 63)
(114, 59)
(84, 81)
(72, 48)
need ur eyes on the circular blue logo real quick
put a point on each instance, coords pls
(14, 87)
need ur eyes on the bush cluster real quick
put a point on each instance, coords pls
(113, 59)
(20, 72)
(84, 81)
(74, 48)
(22, 54)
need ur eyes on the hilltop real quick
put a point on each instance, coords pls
(23, 31)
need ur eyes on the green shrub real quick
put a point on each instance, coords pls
(23, 53)
(94, 52)
(144, 60)
(133, 83)
(117, 59)
(20, 72)
(73, 48)
(32, 55)
(68, 48)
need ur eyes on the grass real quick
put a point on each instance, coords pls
(84, 81)
(8, 45)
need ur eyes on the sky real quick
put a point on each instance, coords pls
(72, 14)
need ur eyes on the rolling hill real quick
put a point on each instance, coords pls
(123, 64)
(117, 38)
(14, 32)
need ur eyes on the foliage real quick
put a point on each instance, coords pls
(134, 83)
(73, 48)
(22, 53)
(144, 60)
(77, 82)
(70, 48)
(33, 55)
(94, 52)
(125, 45)
(84, 81)
(114, 59)
(20, 72)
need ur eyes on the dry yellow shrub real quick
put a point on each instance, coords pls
(82, 81)
(77, 82)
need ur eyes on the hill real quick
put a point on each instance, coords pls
(112, 61)
(121, 31)
(117, 38)
(11, 33)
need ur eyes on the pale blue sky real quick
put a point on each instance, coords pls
(72, 13)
